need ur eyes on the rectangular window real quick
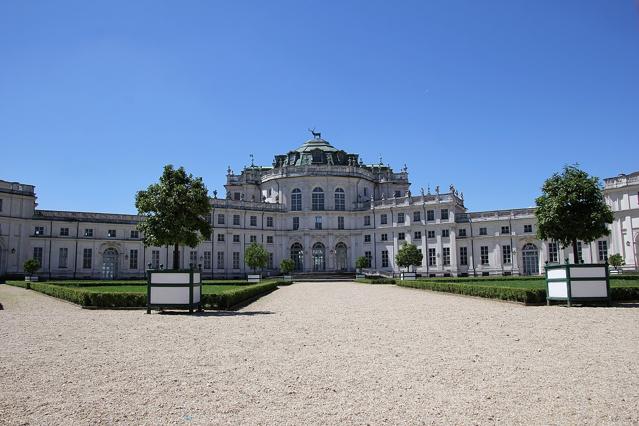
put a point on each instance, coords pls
(397, 194)
(111, 233)
(236, 238)
(483, 231)
(207, 260)
(64, 232)
(340, 222)
(384, 237)
(484, 255)
(383, 219)
(39, 230)
(87, 258)
(506, 254)
(444, 214)
(236, 220)
(296, 223)
(318, 222)
(527, 228)
(418, 235)
(580, 253)
(269, 263)
(505, 230)
(63, 257)
(253, 220)
(367, 221)
(155, 259)
(340, 200)
(367, 238)
(269, 221)
(369, 258)
(135, 234)
(133, 259)
(88, 232)
(463, 256)
(430, 234)
(602, 245)
(296, 200)
(432, 257)
(417, 217)
(384, 258)
(400, 218)
(446, 256)
(193, 258)
(0, 204)
(553, 252)
(317, 200)
(462, 232)
(253, 239)
(430, 215)
(445, 233)
(401, 236)
(220, 237)
(220, 219)
(269, 239)
(237, 196)
(220, 260)
(236, 260)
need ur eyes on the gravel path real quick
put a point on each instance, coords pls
(323, 353)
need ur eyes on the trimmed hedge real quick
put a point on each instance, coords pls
(624, 293)
(224, 300)
(376, 280)
(229, 299)
(515, 294)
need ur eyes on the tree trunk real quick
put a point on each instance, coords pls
(176, 257)
(575, 252)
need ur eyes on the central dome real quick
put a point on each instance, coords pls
(316, 143)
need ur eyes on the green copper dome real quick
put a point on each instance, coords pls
(316, 143)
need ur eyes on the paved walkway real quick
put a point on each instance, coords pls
(323, 353)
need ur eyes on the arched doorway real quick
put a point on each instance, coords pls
(319, 257)
(530, 259)
(341, 256)
(110, 264)
(297, 256)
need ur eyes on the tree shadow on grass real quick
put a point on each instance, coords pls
(218, 313)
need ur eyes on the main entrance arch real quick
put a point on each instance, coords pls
(297, 256)
(110, 264)
(341, 257)
(319, 257)
(530, 259)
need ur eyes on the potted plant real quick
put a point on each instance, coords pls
(616, 261)
(408, 255)
(361, 263)
(286, 267)
(30, 267)
(255, 256)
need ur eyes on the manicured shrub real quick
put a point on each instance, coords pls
(624, 293)
(381, 280)
(229, 299)
(522, 295)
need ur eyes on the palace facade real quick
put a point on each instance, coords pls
(321, 207)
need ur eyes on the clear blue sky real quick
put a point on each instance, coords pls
(493, 96)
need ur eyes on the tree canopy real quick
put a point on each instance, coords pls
(255, 256)
(30, 266)
(361, 262)
(572, 208)
(175, 211)
(287, 266)
(408, 255)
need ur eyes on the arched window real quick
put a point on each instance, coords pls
(318, 199)
(297, 255)
(296, 200)
(340, 199)
(530, 259)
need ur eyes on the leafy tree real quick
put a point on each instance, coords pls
(175, 211)
(255, 256)
(361, 262)
(287, 266)
(616, 260)
(572, 208)
(408, 256)
(31, 266)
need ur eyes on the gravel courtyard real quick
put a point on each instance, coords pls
(320, 353)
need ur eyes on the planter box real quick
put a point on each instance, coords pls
(409, 276)
(287, 278)
(254, 278)
(32, 278)
(360, 276)
(174, 289)
(578, 283)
